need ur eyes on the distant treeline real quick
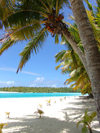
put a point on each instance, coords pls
(37, 89)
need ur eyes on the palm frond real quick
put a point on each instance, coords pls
(22, 17)
(45, 5)
(57, 67)
(33, 45)
(59, 55)
(56, 39)
(5, 8)
(57, 7)
(23, 33)
(60, 4)
(89, 5)
(6, 45)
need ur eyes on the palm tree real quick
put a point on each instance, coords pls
(69, 60)
(92, 54)
(86, 121)
(27, 21)
(33, 19)
(70, 63)
(1, 126)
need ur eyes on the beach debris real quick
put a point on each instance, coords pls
(61, 99)
(48, 102)
(40, 105)
(8, 114)
(54, 101)
(1, 126)
(65, 98)
(86, 121)
(40, 112)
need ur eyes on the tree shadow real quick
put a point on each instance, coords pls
(81, 105)
(41, 125)
(33, 124)
(76, 110)
(30, 124)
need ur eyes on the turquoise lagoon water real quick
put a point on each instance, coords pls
(32, 95)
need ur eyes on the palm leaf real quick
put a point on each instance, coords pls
(23, 33)
(57, 67)
(84, 129)
(45, 6)
(60, 55)
(78, 123)
(6, 45)
(21, 17)
(33, 45)
(56, 39)
(92, 116)
(57, 7)
(72, 26)
(89, 5)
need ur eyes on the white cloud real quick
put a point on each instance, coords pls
(39, 79)
(10, 82)
(7, 69)
(41, 82)
(54, 85)
(14, 70)
(7, 83)
(30, 73)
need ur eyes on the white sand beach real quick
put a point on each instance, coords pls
(60, 117)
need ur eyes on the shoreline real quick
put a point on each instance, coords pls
(34, 92)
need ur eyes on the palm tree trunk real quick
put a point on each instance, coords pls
(90, 130)
(92, 53)
(90, 96)
(75, 47)
(0, 130)
(62, 29)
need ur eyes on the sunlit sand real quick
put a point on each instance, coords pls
(60, 114)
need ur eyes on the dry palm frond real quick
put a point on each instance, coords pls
(40, 105)
(7, 113)
(61, 99)
(65, 98)
(1, 126)
(40, 112)
(49, 102)
(54, 101)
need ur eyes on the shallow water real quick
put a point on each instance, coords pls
(28, 95)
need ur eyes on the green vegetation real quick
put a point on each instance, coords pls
(34, 20)
(86, 121)
(69, 61)
(1, 126)
(37, 89)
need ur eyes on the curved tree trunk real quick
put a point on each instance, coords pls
(90, 96)
(75, 47)
(90, 130)
(62, 29)
(92, 54)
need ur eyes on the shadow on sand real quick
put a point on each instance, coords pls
(41, 125)
(31, 124)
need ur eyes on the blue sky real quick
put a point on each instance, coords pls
(39, 71)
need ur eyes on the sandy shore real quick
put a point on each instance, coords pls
(60, 117)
